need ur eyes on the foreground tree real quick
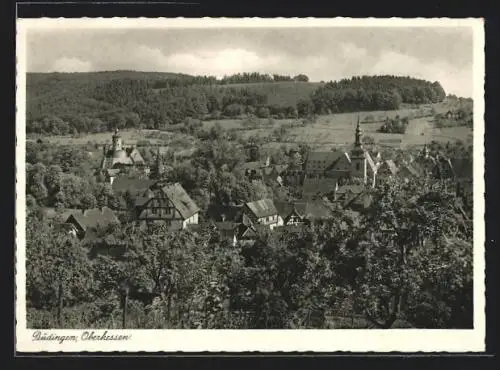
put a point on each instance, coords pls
(58, 272)
(406, 243)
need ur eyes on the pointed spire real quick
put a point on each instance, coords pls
(158, 169)
(357, 141)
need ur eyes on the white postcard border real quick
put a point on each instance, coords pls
(393, 340)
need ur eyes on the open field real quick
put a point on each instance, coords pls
(335, 130)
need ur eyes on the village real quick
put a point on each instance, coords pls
(324, 180)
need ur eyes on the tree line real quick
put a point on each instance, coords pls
(62, 107)
(374, 93)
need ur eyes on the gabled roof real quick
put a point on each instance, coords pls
(181, 200)
(445, 168)
(92, 218)
(229, 212)
(320, 161)
(319, 186)
(262, 208)
(411, 169)
(350, 188)
(226, 225)
(462, 167)
(390, 165)
(306, 210)
(370, 161)
(135, 156)
(362, 201)
(124, 184)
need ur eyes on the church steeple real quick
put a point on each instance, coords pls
(425, 151)
(357, 136)
(117, 141)
(158, 170)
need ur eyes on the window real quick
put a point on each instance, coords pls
(357, 166)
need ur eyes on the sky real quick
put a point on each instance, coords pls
(323, 54)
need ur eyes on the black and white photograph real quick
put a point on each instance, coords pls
(202, 178)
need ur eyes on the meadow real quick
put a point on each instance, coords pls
(326, 132)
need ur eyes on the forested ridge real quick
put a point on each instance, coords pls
(65, 103)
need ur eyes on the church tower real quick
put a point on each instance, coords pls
(117, 141)
(425, 152)
(358, 158)
(158, 167)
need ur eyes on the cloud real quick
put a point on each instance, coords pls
(66, 64)
(337, 60)
(223, 62)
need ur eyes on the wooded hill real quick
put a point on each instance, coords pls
(69, 103)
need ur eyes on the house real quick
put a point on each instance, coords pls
(119, 158)
(132, 186)
(333, 164)
(247, 234)
(228, 230)
(353, 197)
(274, 174)
(298, 213)
(252, 170)
(262, 212)
(169, 204)
(313, 188)
(83, 222)
(255, 170)
(407, 172)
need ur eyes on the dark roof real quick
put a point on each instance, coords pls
(410, 168)
(314, 210)
(308, 210)
(226, 225)
(262, 208)
(320, 161)
(315, 186)
(124, 184)
(230, 213)
(362, 201)
(390, 165)
(135, 155)
(92, 218)
(181, 200)
(462, 167)
(52, 213)
(351, 188)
